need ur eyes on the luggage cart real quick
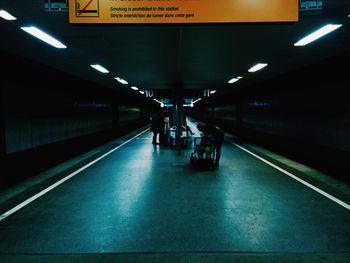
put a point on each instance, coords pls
(203, 155)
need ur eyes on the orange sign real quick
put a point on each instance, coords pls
(182, 11)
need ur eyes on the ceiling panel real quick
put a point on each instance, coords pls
(168, 57)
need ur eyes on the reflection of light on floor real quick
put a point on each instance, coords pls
(132, 183)
(244, 214)
(156, 150)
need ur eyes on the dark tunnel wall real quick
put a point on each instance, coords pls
(44, 106)
(49, 116)
(305, 114)
(43, 115)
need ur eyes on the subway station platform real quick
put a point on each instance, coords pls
(132, 201)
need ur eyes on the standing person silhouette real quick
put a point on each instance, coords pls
(218, 137)
(157, 126)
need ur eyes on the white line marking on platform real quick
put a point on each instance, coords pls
(334, 199)
(46, 190)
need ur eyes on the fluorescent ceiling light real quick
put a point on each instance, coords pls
(233, 80)
(317, 34)
(196, 100)
(257, 67)
(122, 81)
(99, 68)
(34, 31)
(135, 88)
(6, 15)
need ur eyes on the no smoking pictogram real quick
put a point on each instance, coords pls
(87, 8)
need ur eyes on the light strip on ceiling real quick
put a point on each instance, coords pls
(122, 81)
(99, 68)
(196, 101)
(317, 34)
(6, 15)
(34, 31)
(257, 67)
(233, 80)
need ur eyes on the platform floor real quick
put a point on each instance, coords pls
(145, 203)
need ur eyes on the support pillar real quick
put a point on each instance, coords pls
(178, 122)
(178, 114)
(2, 125)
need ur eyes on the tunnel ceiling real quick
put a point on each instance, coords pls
(167, 57)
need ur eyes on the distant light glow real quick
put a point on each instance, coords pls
(34, 31)
(317, 34)
(6, 15)
(259, 104)
(122, 81)
(135, 88)
(92, 104)
(99, 68)
(257, 67)
(169, 105)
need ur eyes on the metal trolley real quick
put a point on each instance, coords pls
(203, 155)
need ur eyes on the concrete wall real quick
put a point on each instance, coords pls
(38, 118)
(322, 119)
